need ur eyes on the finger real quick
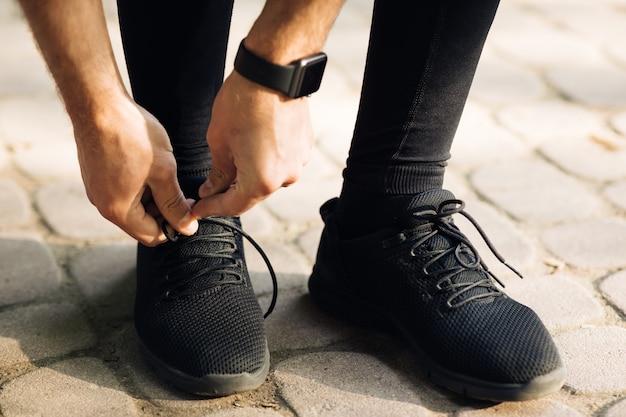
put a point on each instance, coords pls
(231, 203)
(174, 207)
(142, 226)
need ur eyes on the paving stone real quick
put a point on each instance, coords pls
(617, 51)
(513, 18)
(617, 410)
(17, 118)
(593, 85)
(333, 121)
(245, 412)
(595, 243)
(320, 166)
(106, 277)
(499, 82)
(292, 268)
(309, 241)
(65, 207)
(42, 331)
(595, 359)
(618, 122)
(542, 121)
(347, 384)
(617, 193)
(480, 141)
(28, 270)
(582, 17)
(4, 156)
(15, 207)
(538, 408)
(49, 161)
(614, 289)
(552, 298)
(545, 46)
(258, 223)
(310, 195)
(604, 155)
(297, 323)
(533, 191)
(78, 387)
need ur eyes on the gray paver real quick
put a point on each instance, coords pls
(14, 205)
(595, 359)
(499, 82)
(534, 191)
(292, 269)
(617, 410)
(594, 85)
(106, 276)
(18, 116)
(614, 289)
(540, 408)
(540, 122)
(78, 387)
(346, 384)
(482, 141)
(27, 270)
(37, 162)
(245, 412)
(596, 243)
(42, 331)
(604, 154)
(65, 207)
(616, 193)
(297, 323)
(301, 201)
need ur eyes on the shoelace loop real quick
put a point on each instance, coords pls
(226, 253)
(465, 254)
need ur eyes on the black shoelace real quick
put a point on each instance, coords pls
(229, 267)
(465, 255)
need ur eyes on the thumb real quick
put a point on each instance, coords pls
(175, 208)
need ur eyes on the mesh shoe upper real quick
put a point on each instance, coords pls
(195, 308)
(425, 280)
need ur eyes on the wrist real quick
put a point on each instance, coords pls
(298, 78)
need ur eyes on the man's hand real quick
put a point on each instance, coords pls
(129, 172)
(259, 140)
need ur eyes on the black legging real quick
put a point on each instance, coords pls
(421, 61)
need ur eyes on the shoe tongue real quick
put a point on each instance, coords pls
(429, 199)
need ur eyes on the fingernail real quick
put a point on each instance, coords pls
(191, 224)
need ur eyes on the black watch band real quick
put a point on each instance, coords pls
(300, 78)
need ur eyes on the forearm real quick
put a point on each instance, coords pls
(290, 29)
(74, 41)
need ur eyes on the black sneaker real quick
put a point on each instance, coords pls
(199, 324)
(424, 281)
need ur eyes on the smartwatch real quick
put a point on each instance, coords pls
(300, 78)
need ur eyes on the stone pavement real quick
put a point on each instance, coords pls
(540, 158)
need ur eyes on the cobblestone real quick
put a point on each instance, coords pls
(539, 158)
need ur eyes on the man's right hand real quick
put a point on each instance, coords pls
(129, 172)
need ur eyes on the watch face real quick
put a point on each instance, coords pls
(308, 76)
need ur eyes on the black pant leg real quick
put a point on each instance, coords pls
(421, 61)
(175, 53)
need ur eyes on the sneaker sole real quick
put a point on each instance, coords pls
(218, 385)
(347, 305)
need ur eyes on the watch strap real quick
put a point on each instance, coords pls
(256, 69)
